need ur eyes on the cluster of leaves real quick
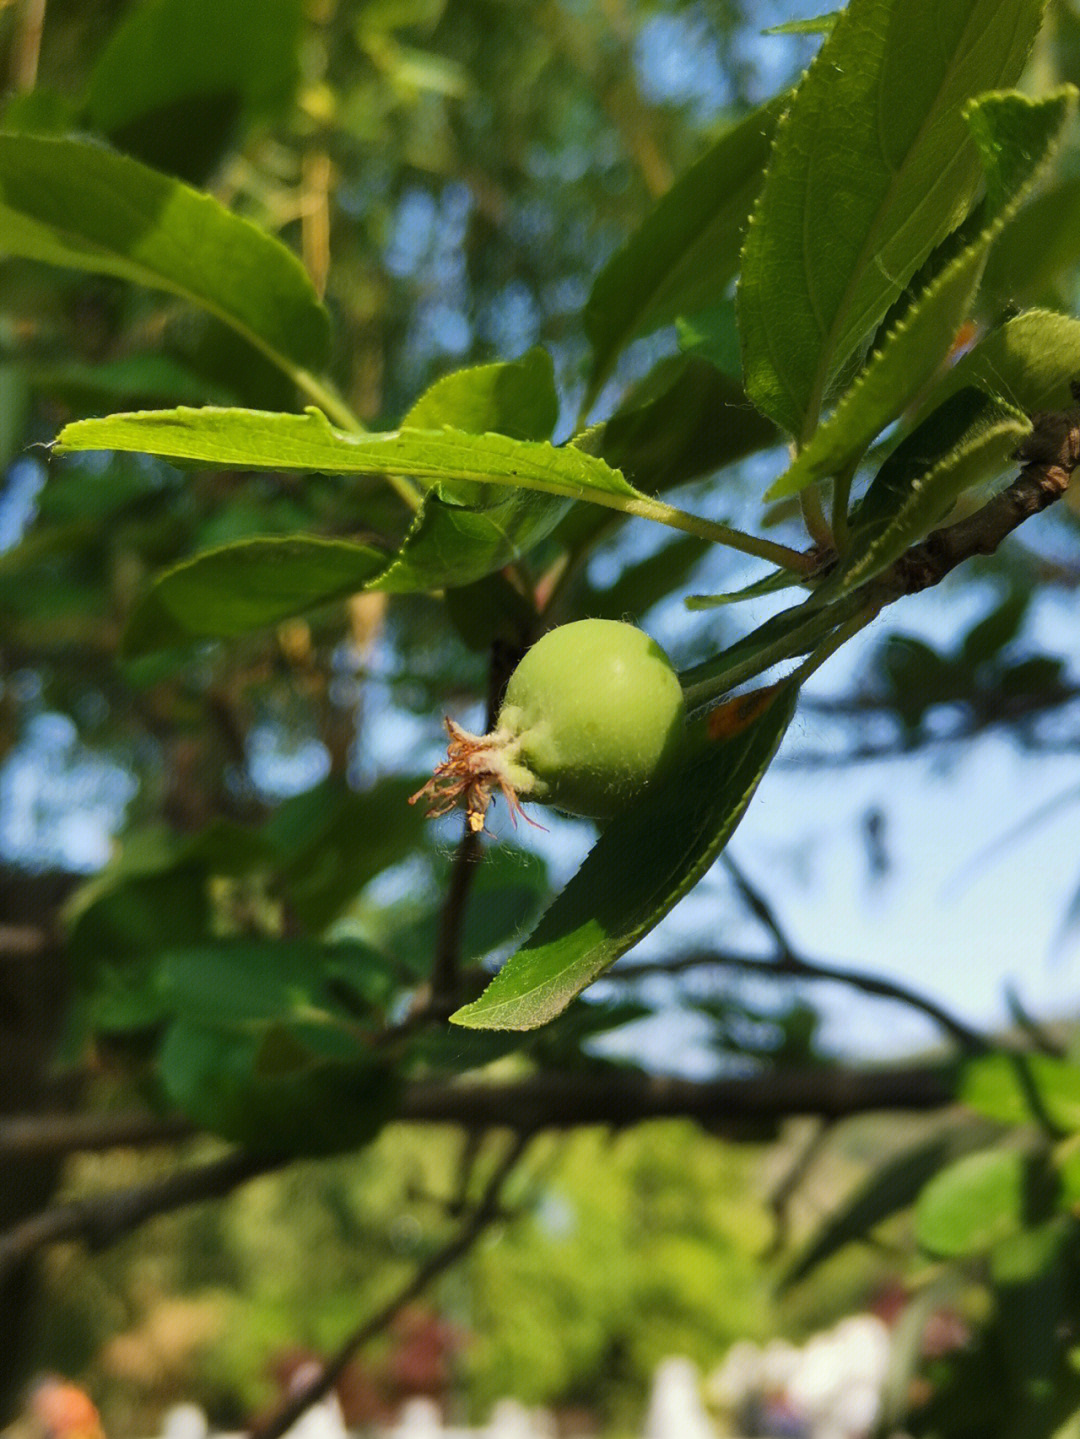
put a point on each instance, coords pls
(815, 264)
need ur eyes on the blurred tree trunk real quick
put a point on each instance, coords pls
(33, 990)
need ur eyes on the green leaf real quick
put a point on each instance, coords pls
(175, 74)
(892, 1187)
(220, 1081)
(1023, 1089)
(515, 398)
(166, 49)
(235, 588)
(334, 840)
(320, 991)
(75, 204)
(965, 440)
(1015, 136)
(771, 584)
(686, 253)
(1032, 260)
(713, 335)
(872, 168)
(256, 439)
(644, 862)
(1028, 362)
(685, 421)
(976, 1202)
(451, 545)
(794, 631)
(816, 25)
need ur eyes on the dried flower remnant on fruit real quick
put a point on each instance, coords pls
(471, 772)
(592, 714)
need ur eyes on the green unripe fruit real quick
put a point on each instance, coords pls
(592, 714)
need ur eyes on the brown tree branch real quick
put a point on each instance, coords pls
(544, 1101)
(726, 1106)
(101, 1219)
(486, 1211)
(31, 1136)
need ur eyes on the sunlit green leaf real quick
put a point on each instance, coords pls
(1014, 135)
(872, 168)
(70, 203)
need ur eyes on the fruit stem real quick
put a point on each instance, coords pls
(649, 508)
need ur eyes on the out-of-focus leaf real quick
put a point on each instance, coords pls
(75, 204)
(646, 582)
(1038, 250)
(871, 169)
(227, 591)
(891, 1188)
(644, 862)
(14, 403)
(1022, 1089)
(686, 252)
(713, 335)
(973, 1204)
(989, 636)
(334, 840)
(135, 378)
(216, 1079)
(323, 992)
(1015, 136)
(176, 75)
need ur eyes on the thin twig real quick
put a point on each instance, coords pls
(486, 1211)
(793, 966)
(780, 1199)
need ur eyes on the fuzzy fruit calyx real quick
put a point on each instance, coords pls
(593, 713)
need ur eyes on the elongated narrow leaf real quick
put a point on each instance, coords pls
(794, 631)
(1015, 136)
(967, 439)
(686, 252)
(243, 586)
(872, 167)
(642, 865)
(79, 205)
(256, 439)
(772, 584)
